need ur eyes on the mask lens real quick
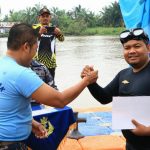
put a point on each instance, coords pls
(138, 32)
(134, 34)
(124, 34)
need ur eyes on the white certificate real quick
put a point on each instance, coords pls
(124, 109)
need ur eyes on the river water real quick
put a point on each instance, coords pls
(103, 52)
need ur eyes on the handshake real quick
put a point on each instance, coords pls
(89, 74)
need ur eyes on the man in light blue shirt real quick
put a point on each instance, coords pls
(19, 84)
(14, 84)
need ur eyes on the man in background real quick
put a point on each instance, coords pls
(47, 40)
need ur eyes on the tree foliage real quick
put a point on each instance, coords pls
(74, 21)
(111, 16)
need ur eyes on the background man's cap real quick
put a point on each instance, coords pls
(44, 10)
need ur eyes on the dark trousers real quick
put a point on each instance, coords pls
(52, 71)
(131, 147)
(13, 146)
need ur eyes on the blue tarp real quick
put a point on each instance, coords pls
(97, 123)
(136, 13)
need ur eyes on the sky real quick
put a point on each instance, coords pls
(92, 5)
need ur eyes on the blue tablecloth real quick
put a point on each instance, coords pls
(58, 121)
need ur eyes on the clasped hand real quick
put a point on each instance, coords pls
(90, 73)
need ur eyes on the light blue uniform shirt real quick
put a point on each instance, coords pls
(17, 83)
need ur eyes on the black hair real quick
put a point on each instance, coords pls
(19, 34)
(137, 39)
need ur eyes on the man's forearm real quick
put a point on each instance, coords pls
(60, 37)
(99, 93)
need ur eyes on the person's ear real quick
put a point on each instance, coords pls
(148, 47)
(26, 47)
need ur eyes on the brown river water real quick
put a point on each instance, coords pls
(103, 52)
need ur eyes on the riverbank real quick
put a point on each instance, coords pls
(2, 35)
(103, 31)
(97, 31)
(90, 31)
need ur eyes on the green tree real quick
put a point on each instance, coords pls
(111, 16)
(76, 27)
(29, 15)
(75, 21)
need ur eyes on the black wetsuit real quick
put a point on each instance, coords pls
(126, 83)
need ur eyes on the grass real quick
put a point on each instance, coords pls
(103, 31)
(94, 31)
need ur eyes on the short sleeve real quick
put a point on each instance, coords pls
(28, 82)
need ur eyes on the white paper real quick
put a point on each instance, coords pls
(124, 109)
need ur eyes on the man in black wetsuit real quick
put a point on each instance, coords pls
(133, 81)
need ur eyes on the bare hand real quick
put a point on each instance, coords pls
(42, 30)
(140, 130)
(86, 71)
(91, 77)
(39, 130)
(57, 31)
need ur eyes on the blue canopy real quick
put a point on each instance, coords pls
(136, 13)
